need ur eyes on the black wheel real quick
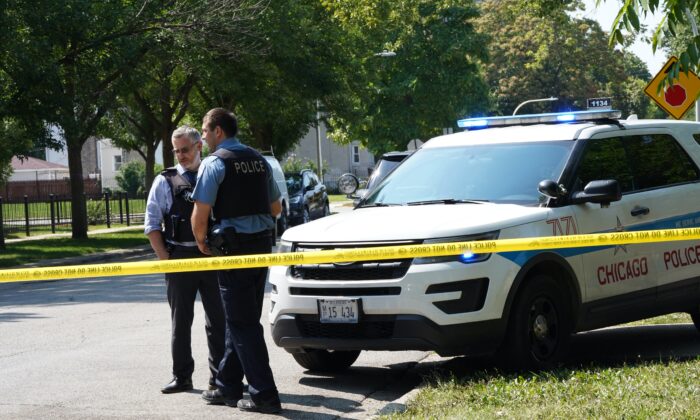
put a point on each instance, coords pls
(696, 319)
(282, 222)
(326, 360)
(540, 326)
(305, 217)
(326, 210)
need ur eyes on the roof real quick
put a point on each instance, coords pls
(547, 132)
(34, 164)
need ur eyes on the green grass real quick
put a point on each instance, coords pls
(15, 211)
(646, 390)
(20, 253)
(334, 198)
(649, 389)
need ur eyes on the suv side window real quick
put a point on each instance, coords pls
(312, 179)
(605, 159)
(659, 160)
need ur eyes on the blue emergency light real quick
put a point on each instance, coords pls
(550, 118)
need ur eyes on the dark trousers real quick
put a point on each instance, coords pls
(182, 293)
(242, 292)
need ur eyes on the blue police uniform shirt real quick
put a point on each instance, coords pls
(212, 172)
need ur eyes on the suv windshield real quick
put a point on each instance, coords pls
(508, 172)
(293, 183)
(382, 170)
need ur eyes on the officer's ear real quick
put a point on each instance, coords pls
(219, 132)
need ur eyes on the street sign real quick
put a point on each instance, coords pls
(677, 98)
(599, 103)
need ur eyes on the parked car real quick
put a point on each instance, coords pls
(278, 175)
(308, 199)
(387, 163)
(522, 176)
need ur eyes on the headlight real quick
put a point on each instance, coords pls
(295, 199)
(466, 258)
(284, 246)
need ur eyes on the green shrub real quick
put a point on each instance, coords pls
(96, 212)
(131, 178)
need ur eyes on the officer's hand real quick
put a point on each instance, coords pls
(203, 248)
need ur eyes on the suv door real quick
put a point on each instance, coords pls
(666, 174)
(613, 271)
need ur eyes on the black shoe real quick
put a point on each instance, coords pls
(213, 387)
(177, 385)
(270, 406)
(216, 397)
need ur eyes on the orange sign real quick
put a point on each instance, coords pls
(677, 98)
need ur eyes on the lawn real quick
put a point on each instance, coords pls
(335, 198)
(20, 253)
(664, 388)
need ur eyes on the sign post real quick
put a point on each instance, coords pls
(676, 99)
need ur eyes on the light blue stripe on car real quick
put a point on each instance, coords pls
(690, 219)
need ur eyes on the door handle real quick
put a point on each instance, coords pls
(639, 211)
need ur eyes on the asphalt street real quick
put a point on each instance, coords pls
(99, 348)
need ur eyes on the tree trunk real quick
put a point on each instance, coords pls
(78, 208)
(150, 163)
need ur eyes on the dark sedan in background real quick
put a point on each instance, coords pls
(308, 199)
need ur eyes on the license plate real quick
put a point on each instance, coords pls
(338, 311)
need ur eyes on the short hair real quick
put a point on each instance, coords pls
(187, 131)
(223, 118)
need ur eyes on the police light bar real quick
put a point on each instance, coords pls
(551, 118)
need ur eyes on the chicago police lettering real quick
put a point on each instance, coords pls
(682, 257)
(250, 167)
(622, 270)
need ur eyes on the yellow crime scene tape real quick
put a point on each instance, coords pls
(345, 255)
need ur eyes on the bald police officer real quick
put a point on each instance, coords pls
(235, 184)
(168, 213)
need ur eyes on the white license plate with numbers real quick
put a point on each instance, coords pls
(338, 311)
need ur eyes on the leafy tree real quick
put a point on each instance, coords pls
(433, 79)
(303, 58)
(533, 56)
(74, 60)
(131, 178)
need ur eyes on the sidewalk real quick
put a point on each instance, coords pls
(68, 234)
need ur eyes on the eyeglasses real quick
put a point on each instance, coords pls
(183, 151)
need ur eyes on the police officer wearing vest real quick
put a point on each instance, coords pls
(170, 205)
(235, 183)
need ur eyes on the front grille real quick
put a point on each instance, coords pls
(361, 270)
(367, 328)
(361, 291)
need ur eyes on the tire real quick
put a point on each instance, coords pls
(282, 222)
(539, 328)
(325, 360)
(326, 210)
(305, 217)
(696, 319)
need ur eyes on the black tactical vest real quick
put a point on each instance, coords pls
(243, 192)
(178, 226)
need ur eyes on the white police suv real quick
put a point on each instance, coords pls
(505, 177)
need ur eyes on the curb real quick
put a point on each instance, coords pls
(400, 404)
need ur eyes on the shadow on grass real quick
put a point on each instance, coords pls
(593, 350)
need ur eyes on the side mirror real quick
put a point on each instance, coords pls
(348, 184)
(550, 189)
(603, 192)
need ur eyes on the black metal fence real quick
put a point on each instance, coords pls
(28, 215)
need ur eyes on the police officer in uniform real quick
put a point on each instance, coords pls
(170, 205)
(235, 183)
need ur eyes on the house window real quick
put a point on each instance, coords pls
(117, 162)
(355, 154)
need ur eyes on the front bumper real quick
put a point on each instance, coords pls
(388, 332)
